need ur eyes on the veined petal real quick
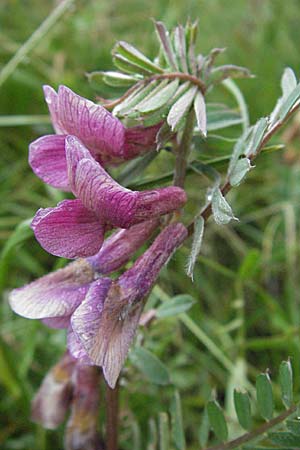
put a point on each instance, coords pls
(69, 230)
(106, 320)
(76, 348)
(121, 246)
(109, 141)
(97, 190)
(51, 98)
(47, 158)
(111, 202)
(53, 398)
(96, 127)
(55, 295)
(106, 327)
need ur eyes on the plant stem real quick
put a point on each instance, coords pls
(255, 433)
(112, 417)
(34, 39)
(183, 150)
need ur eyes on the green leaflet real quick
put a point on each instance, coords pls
(264, 395)
(217, 420)
(174, 306)
(243, 408)
(150, 365)
(286, 383)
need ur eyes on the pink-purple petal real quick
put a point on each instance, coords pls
(70, 230)
(51, 98)
(57, 323)
(113, 203)
(47, 158)
(77, 349)
(139, 139)
(121, 246)
(55, 295)
(96, 127)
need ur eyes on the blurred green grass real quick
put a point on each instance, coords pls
(247, 279)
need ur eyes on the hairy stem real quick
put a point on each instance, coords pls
(255, 433)
(183, 150)
(112, 417)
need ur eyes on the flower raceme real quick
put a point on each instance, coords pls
(107, 139)
(76, 228)
(102, 314)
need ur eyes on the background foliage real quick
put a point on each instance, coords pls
(246, 283)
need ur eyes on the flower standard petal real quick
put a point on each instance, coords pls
(51, 98)
(109, 141)
(53, 398)
(106, 323)
(69, 230)
(47, 158)
(55, 295)
(96, 127)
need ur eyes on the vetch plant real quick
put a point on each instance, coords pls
(164, 109)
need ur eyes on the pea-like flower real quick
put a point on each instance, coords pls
(55, 296)
(82, 426)
(108, 140)
(76, 228)
(70, 386)
(105, 323)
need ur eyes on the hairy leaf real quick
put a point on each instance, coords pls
(196, 245)
(221, 209)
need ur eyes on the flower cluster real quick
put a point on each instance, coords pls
(100, 314)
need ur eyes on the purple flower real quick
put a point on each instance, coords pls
(53, 398)
(82, 426)
(108, 140)
(76, 228)
(105, 323)
(54, 297)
